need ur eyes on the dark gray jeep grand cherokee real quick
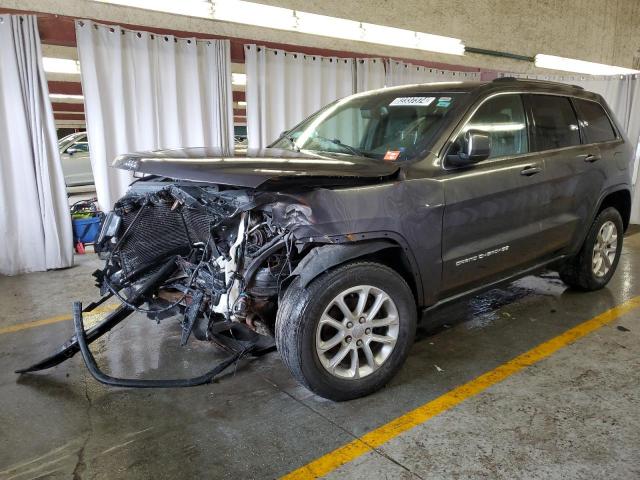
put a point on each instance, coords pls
(378, 207)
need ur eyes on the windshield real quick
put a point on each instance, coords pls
(389, 126)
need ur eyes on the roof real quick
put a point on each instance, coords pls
(499, 84)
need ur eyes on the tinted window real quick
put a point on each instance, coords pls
(595, 122)
(554, 122)
(502, 118)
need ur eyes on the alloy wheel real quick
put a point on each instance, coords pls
(357, 332)
(605, 249)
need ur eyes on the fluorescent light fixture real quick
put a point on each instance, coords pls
(250, 13)
(438, 43)
(580, 66)
(60, 65)
(191, 8)
(239, 78)
(64, 96)
(325, 26)
(242, 103)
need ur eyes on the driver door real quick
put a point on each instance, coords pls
(491, 222)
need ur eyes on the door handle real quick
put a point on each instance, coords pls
(530, 170)
(592, 158)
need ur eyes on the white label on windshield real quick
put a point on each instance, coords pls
(421, 101)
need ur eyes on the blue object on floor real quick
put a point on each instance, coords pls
(86, 230)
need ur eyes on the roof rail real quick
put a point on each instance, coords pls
(532, 80)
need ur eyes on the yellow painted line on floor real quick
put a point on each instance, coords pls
(366, 443)
(60, 318)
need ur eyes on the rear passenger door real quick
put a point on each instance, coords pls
(573, 178)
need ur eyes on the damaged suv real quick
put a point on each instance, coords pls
(379, 207)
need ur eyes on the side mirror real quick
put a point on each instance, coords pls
(476, 146)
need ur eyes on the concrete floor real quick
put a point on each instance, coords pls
(574, 415)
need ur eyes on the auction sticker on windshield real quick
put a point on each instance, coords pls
(404, 101)
(392, 155)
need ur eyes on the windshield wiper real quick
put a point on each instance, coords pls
(349, 148)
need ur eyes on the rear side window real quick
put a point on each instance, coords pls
(595, 122)
(554, 122)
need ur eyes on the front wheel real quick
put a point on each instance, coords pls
(349, 331)
(595, 264)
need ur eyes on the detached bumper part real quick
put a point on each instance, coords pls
(71, 347)
(102, 377)
(234, 338)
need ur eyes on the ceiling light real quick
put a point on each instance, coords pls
(328, 26)
(257, 14)
(580, 66)
(64, 96)
(239, 78)
(60, 65)
(399, 37)
(191, 8)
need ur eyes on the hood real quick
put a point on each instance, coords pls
(254, 167)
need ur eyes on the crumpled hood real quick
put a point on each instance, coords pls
(253, 167)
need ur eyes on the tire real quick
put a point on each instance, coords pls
(300, 334)
(582, 272)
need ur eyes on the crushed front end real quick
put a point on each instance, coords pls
(209, 255)
(229, 254)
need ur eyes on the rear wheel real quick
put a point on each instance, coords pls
(595, 264)
(349, 331)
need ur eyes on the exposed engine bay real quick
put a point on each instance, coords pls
(212, 256)
(229, 254)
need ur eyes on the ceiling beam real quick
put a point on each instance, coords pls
(66, 88)
(67, 107)
(69, 116)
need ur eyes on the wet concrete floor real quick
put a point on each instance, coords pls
(574, 415)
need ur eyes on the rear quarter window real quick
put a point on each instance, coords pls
(554, 122)
(595, 121)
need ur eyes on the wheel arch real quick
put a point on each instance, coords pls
(620, 200)
(386, 251)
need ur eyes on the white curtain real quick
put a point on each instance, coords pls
(402, 73)
(35, 226)
(144, 91)
(370, 74)
(283, 88)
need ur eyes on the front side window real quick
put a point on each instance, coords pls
(503, 119)
(595, 122)
(554, 122)
(390, 126)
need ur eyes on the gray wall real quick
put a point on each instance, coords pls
(593, 30)
(600, 31)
